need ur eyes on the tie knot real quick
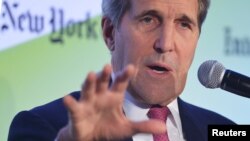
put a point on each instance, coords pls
(158, 112)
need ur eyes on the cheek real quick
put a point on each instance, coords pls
(134, 49)
(186, 57)
(118, 54)
(125, 52)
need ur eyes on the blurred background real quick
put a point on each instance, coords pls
(47, 48)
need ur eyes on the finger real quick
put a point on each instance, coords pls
(121, 82)
(70, 104)
(103, 79)
(151, 126)
(89, 87)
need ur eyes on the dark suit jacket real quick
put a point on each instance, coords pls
(43, 123)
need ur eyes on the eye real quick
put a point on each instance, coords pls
(148, 23)
(147, 19)
(185, 25)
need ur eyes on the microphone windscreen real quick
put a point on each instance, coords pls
(210, 74)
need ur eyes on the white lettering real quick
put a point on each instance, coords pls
(215, 132)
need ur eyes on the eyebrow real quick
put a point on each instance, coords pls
(184, 17)
(148, 12)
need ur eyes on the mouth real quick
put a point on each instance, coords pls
(159, 68)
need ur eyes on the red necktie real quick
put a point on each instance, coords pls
(160, 113)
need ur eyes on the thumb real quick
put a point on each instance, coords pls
(151, 126)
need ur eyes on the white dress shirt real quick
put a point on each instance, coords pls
(138, 112)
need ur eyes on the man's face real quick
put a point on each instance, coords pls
(159, 38)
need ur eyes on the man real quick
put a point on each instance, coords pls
(152, 45)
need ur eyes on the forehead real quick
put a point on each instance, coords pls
(170, 7)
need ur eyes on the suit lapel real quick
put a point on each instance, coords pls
(190, 125)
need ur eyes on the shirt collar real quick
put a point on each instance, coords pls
(138, 112)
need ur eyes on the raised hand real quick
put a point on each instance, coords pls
(98, 115)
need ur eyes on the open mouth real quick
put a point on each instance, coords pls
(158, 69)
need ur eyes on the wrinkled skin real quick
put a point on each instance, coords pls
(152, 50)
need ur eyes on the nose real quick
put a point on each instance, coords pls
(165, 40)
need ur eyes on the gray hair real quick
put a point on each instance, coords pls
(115, 9)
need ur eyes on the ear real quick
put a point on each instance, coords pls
(108, 31)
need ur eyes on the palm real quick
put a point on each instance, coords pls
(98, 115)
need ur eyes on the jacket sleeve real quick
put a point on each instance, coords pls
(28, 126)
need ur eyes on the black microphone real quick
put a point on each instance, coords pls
(213, 74)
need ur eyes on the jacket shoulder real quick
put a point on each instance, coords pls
(195, 121)
(202, 115)
(40, 123)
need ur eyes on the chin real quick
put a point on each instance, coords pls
(153, 95)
